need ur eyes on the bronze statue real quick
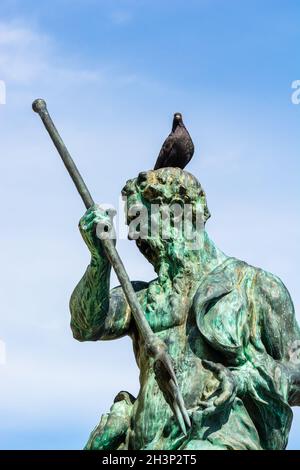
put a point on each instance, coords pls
(228, 327)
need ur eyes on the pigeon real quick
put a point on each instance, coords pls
(178, 148)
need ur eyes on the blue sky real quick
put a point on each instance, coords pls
(113, 73)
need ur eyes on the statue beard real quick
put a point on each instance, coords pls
(153, 250)
(162, 253)
(174, 273)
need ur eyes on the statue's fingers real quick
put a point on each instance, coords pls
(103, 227)
(207, 404)
(227, 390)
(92, 220)
(213, 367)
(89, 215)
(95, 216)
(92, 212)
(111, 212)
(87, 225)
(226, 396)
(209, 410)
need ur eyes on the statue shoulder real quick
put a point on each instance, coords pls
(260, 287)
(222, 280)
(272, 288)
(233, 298)
(275, 309)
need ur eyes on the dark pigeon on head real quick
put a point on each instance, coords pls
(178, 148)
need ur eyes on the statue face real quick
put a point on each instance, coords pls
(164, 207)
(144, 224)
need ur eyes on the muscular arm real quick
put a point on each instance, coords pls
(97, 313)
(255, 329)
(281, 333)
(273, 353)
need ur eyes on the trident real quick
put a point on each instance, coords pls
(154, 346)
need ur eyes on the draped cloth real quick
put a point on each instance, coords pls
(247, 315)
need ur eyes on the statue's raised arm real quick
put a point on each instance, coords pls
(96, 312)
(153, 345)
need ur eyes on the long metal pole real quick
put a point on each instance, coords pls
(155, 347)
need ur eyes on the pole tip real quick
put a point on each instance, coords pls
(39, 105)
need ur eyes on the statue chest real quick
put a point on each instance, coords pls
(167, 306)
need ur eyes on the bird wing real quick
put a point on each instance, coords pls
(165, 151)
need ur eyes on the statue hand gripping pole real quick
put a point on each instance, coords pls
(155, 347)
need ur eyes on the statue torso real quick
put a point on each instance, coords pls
(170, 314)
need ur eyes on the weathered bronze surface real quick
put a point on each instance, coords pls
(229, 328)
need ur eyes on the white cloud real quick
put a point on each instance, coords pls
(23, 52)
(14, 34)
(28, 56)
(32, 60)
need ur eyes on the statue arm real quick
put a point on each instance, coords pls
(275, 365)
(273, 357)
(281, 333)
(96, 312)
(93, 307)
(261, 354)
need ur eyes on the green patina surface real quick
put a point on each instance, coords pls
(206, 306)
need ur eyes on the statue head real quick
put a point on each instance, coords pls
(166, 211)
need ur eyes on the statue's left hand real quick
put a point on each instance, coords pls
(228, 386)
